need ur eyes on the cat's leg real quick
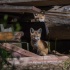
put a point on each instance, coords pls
(42, 53)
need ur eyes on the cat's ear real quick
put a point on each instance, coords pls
(31, 30)
(40, 30)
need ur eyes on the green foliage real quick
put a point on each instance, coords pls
(4, 53)
(5, 17)
(66, 64)
(18, 27)
(4, 20)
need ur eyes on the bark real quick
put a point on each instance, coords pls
(11, 8)
(36, 2)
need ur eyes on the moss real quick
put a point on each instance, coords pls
(66, 64)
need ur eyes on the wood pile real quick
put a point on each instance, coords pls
(15, 48)
(40, 63)
(11, 47)
(58, 15)
(58, 22)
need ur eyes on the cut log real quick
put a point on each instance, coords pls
(58, 18)
(14, 48)
(10, 8)
(58, 15)
(52, 59)
(40, 63)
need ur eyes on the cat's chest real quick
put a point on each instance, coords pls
(35, 45)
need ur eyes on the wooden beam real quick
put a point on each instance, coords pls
(11, 47)
(12, 1)
(35, 2)
(49, 59)
(18, 9)
(60, 9)
(58, 18)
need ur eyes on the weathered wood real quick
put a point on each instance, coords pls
(15, 48)
(11, 36)
(6, 36)
(35, 2)
(60, 9)
(11, 47)
(10, 8)
(58, 15)
(52, 59)
(19, 65)
(11, 1)
(58, 22)
(56, 18)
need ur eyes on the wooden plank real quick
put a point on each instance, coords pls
(11, 36)
(52, 59)
(58, 15)
(40, 63)
(12, 1)
(60, 9)
(9, 8)
(6, 36)
(35, 2)
(56, 18)
(11, 47)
